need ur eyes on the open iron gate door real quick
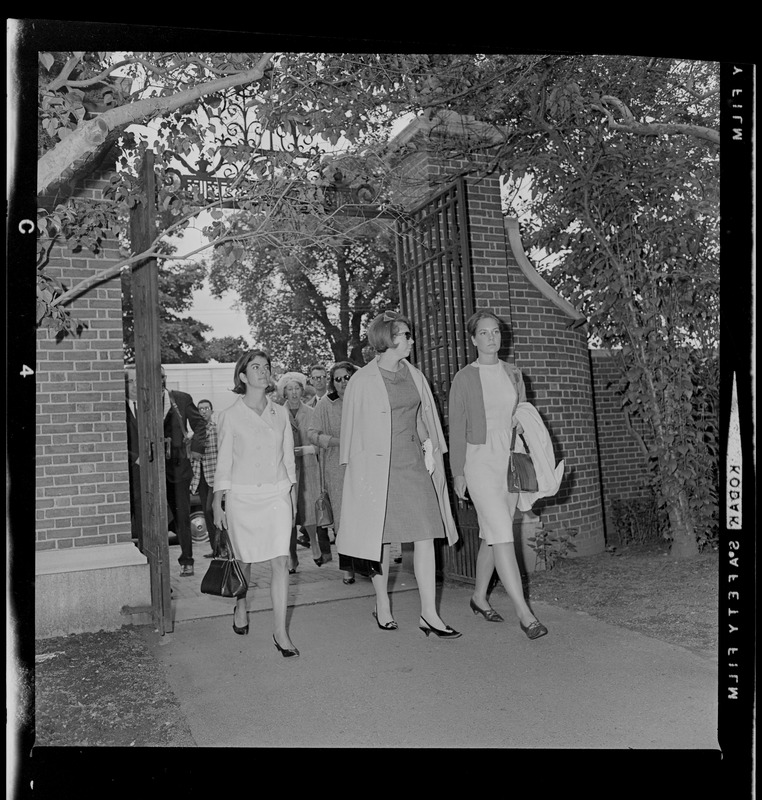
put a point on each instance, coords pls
(145, 298)
(436, 293)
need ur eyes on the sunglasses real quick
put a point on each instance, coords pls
(342, 379)
(406, 334)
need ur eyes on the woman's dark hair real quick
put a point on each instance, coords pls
(474, 319)
(239, 387)
(384, 328)
(347, 365)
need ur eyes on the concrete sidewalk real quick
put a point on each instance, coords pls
(585, 685)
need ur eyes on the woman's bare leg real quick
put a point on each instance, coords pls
(380, 584)
(508, 570)
(424, 566)
(240, 615)
(485, 566)
(279, 597)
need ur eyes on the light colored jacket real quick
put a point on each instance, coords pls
(365, 447)
(254, 450)
(466, 415)
(549, 474)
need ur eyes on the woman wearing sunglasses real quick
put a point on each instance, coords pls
(394, 486)
(325, 433)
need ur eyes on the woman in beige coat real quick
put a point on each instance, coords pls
(291, 388)
(394, 486)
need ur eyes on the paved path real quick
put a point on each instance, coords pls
(585, 685)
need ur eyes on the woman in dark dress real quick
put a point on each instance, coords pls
(394, 485)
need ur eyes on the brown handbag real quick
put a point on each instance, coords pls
(521, 473)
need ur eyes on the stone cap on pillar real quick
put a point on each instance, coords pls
(446, 124)
(577, 319)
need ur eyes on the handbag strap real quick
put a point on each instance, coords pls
(231, 554)
(513, 434)
(513, 440)
(321, 468)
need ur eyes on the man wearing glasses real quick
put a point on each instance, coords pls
(319, 380)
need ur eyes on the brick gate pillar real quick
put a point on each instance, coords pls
(548, 339)
(88, 572)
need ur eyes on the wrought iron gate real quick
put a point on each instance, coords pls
(436, 292)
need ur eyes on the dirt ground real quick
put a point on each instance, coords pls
(641, 588)
(105, 689)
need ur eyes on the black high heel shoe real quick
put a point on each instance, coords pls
(490, 614)
(242, 631)
(389, 626)
(447, 633)
(283, 651)
(534, 630)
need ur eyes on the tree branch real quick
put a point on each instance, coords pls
(89, 135)
(631, 125)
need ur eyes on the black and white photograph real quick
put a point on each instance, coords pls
(388, 396)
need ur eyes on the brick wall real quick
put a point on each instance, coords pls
(555, 362)
(82, 489)
(551, 354)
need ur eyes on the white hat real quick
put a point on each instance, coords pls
(290, 377)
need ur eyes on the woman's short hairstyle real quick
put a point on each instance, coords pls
(239, 387)
(347, 365)
(475, 319)
(384, 328)
(291, 377)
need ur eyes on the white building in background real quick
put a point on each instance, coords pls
(204, 382)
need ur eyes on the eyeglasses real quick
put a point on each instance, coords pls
(406, 334)
(342, 378)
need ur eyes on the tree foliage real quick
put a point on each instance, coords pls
(313, 302)
(182, 337)
(224, 349)
(619, 155)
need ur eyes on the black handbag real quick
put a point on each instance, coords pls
(224, 577)
(323, 510)
(521, 473)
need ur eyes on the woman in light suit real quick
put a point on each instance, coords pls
(255, 475)
(393, 491)
(483, 399)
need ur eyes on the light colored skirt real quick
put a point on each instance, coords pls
(486, 473)
(259, 522)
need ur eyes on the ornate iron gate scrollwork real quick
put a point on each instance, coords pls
(436, 292)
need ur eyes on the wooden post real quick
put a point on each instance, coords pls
(145, 300)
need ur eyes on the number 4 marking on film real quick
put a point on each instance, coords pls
(26, 371)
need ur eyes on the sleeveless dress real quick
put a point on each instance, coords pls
(486, 465)
(412, 509)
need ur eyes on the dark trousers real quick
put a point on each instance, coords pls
(205, 495)
(178, 499)
(136, 510)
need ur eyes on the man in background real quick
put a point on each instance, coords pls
(180, 449)
(133, 454)
(205, 483)
(319, 381)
